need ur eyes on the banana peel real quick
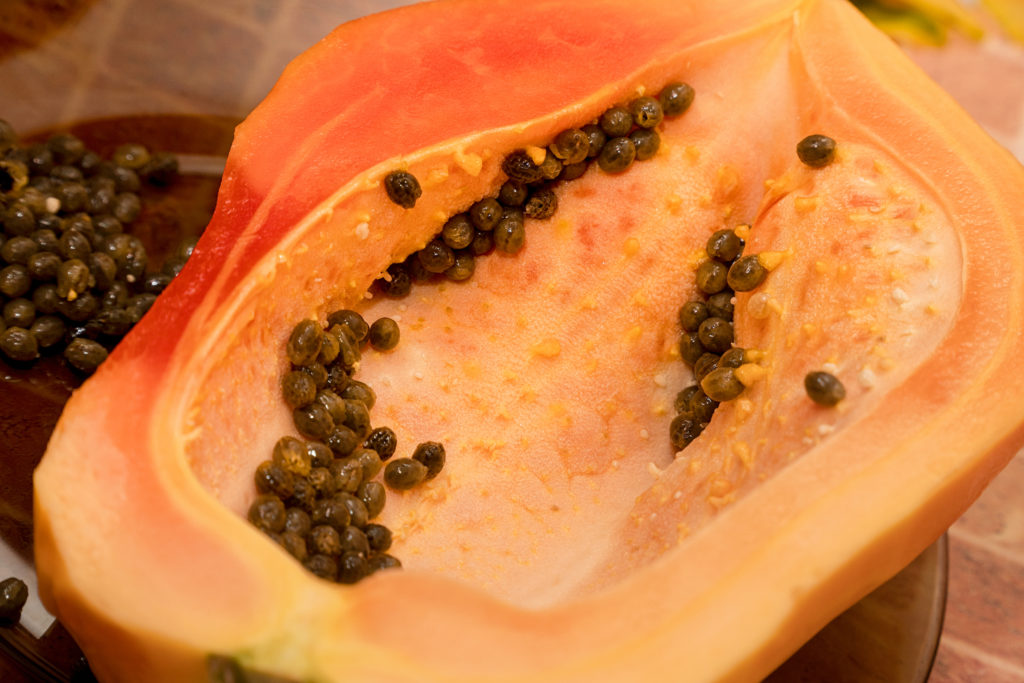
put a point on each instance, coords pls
(923, 22)
(1009, 14)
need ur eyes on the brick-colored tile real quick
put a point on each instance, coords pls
(957, 664)
(997, 517)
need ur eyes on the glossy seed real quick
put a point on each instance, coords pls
(616, 122)
(378, 536)
(13, 596)
(683, 430)
(436, 257)
(510, 233)
(692, 314)
(616, 155)
(382, 440)
(816, 150)
(682, 400)
(571, 146)
(646, 142)
(746, 273)
(733, 358)
(724, 245)
(402, 188)
(721, 384)
(690, 348)
(596, 138)
(267, 513)
(373, 496)
(432, 455)
(404, 473)
(675, 98)
(702, 406)
(519, 166)
(646, 112)
(298, 388)
(272, 478)
(824, 388)
(458, 231)
(304, 342)
(464, 266)
(85, 355)
(512, 193)
(352, 567)
(485, 214)
(542, 204)
(716, 335)
(712, 276)
(325, 539)
(292, 456)
(721, 305)
(313, 421)
(384, 334)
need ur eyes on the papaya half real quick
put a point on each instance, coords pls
(565, 539)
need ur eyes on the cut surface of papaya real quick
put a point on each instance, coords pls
(566, 538)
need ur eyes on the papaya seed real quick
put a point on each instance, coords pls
(824, 388)
(675, 98)
(402, 188)
(816, 150)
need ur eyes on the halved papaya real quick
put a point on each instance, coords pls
(565, 539)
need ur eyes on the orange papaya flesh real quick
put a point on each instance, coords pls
(564, 541)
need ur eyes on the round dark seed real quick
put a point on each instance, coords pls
(824, 388)
(551, 167)
(369, 460)
(15, 280)
(356, 508)
(712, 276)
(464, 266)
(378, 536)
(318, 372)
(816, 150)
(323, 566)
(19, 312)
(85, 354)
(352, 568)
(267, 513)
(325, 539)
(272, 478)
(746, 273)
(358, 391)
(297, 521)
(705, 364)
(542, 204)
(733, 358)
(357, 418)
(571, 146)
(18, 249)
(304, 342)
(13, 596)
(683, 430)
(404, 473)
(291, 455)
(692, 314)
(298, 388)
(519, 166)
(330, 347)
(384, 334)
(436, 257)
(348, 475)
(716, 335)
(616, 122)
(646, 141)
(512, 194)
(382, 440)
(596, 138)
(720, 305)
(616, 155)
(702, 406)
(397, 284)
(304, 495)
(721, 384)
(483, 243)
(402, 188)
(48, 330)
(19, 344)
(161, 169)
(724, 245)
(458, 231)
(646, 112)
(322, 481)
(431, 454)
(675, 98)
(353, 540)
(332, 512)
(356, 325)
(485, 214)
(313, 421)
(334, 404)
(682, 401)
(295, 544)
(574, 171)
(510, 233)
(690, 348)
(320, 454)
(130, 155)
(373, 496)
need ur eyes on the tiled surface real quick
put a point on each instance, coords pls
(984, 630)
